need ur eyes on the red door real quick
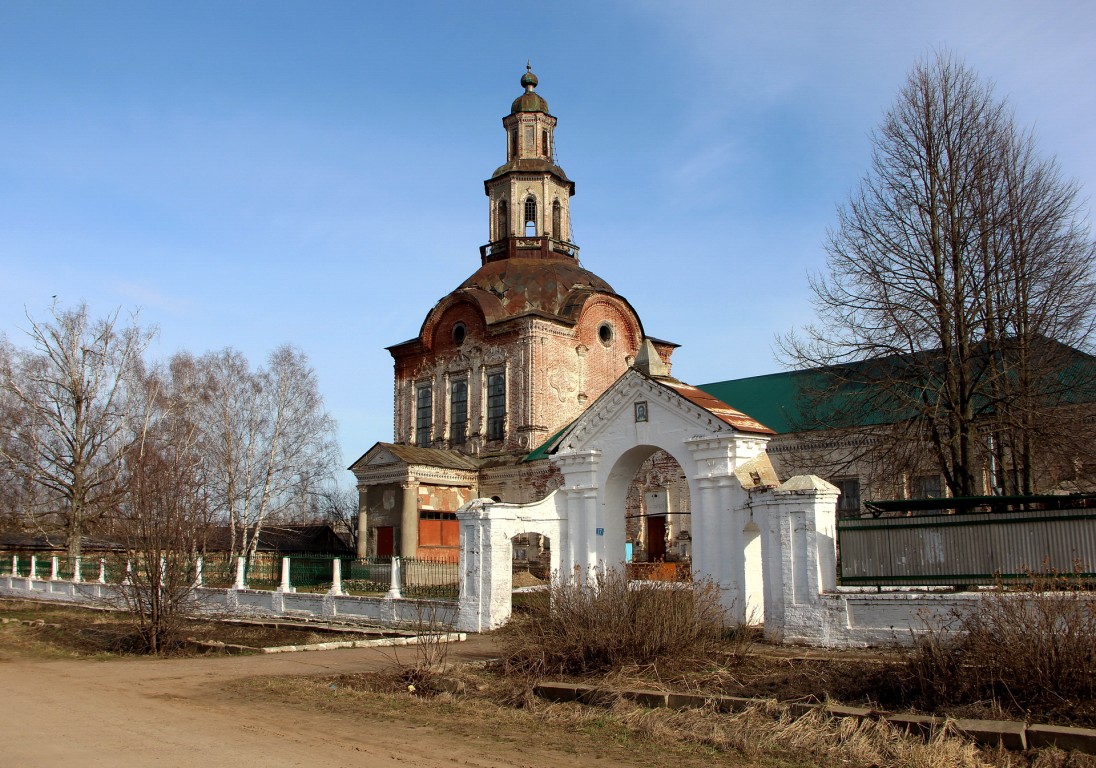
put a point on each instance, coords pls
(385, 541)
(656, 538)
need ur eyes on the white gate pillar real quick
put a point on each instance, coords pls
(585, 548)
(800, 557)
(734, 515)
(718, 520)
(486, 565)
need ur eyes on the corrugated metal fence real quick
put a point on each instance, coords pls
(969, 548)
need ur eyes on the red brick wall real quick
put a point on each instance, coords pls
(554, 370)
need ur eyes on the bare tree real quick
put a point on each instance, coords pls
(69, 428)
(956, 305)
(163, 516)
(268, 437)
(338, 505)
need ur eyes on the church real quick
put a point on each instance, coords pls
(506, 361)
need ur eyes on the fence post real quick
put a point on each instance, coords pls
(198, 572)
(128, 578)
(286, 586)
(76, 575)
(54, 568)
(102, 570)
(34, 566)
(394, 592)
(336, 577)
(240, 573)
(15, 565)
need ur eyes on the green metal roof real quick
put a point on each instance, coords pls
(882, 390)
(797, 401)
(545, 448)
(771, 399)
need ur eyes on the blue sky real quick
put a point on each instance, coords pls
(250, 174)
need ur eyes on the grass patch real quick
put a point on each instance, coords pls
(66, 631)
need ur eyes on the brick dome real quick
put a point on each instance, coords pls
(551, 287)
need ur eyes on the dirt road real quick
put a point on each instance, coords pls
(173, 712)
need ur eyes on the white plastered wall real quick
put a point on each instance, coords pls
(487, 529)
(770, 552)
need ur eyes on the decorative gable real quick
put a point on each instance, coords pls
(646, 410)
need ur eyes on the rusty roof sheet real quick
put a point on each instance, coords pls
(531, 165)
(427, 457)
(532, 285)
(717, 408)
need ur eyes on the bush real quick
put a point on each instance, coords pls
(601, 622)
(1031, 650)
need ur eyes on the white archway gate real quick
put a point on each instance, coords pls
(769, 548)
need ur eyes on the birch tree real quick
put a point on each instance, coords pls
(268, 435)
(68, 425)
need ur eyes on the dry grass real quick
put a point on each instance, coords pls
(1028, 652)
(766, 734)
(601, 622)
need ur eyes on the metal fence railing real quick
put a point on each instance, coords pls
(967, 548)
(430, 578)
(367, 575)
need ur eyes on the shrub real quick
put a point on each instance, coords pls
(601, 622)
(1029, 650)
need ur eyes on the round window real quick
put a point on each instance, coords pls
(605, 333)
(459, 333)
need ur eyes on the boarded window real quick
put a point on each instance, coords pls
(438, 529)
(504, 221)
(848, 503)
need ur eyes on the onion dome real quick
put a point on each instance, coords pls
(530, 101)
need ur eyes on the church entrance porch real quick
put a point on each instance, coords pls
(767, 549)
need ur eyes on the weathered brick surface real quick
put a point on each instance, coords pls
(553, 370)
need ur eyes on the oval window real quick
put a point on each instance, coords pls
(605, 333)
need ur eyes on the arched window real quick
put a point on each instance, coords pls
(544, 144)
(504, 221)
(557, 221)
(513, 144)
(530, 216)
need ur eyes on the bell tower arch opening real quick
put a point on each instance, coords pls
(530, 219)
(502, 221)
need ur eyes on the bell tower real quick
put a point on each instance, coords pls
(530, 196)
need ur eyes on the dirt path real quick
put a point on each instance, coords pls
(174, 713)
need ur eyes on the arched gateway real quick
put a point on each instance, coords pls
(769, 547)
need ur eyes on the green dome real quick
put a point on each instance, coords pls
(529, 101)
